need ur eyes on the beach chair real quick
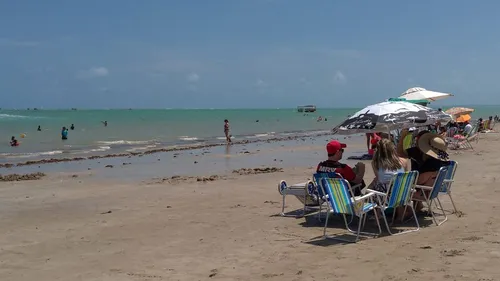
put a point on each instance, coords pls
(399, 194)
(433, 196)
(466, 142)
(305, 192)
(341, 200)
(321, 192)
(447, 182)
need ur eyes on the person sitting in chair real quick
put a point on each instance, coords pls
(434, 156)
(354, 175)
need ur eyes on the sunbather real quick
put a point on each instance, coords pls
(467, 128)
(354, 175)
(385, 164)
(410, 151)
(434, 156)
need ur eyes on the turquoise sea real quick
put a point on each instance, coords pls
(141, 130)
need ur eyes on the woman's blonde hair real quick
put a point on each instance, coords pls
(386, 156)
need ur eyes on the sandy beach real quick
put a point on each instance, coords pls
(79, 226)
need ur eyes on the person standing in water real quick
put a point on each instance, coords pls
(13, 141)
(105, 123)
(72, 127)
(226, 131)
(64, 133)
(39, 128)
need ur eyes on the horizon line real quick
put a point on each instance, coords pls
(210, 108)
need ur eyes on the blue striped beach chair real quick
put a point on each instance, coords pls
(321, 192)
(341, 200)
(447, 182)
(433, 196)
(399, 194)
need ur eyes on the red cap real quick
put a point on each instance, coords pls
(334, 146)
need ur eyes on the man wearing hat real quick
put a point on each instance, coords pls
(335, 149)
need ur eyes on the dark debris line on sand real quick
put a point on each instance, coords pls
(243, 171)
(253, 171)
(25, 177)
(58, 160)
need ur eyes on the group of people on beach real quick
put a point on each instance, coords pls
(427, 154)
(64, 133)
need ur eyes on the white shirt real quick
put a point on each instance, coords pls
(467, 128)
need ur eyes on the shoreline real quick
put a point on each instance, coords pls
(158, 150)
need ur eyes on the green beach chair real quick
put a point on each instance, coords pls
(399, 194)
(341, 200)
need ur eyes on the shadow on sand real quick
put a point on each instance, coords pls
(312, 219)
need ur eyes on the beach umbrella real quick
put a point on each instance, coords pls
(463, 118)
(390, 115)
(459, 111)
(423, 94)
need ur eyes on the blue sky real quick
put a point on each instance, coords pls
(244, 53)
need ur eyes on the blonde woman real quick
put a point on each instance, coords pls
(385, 164)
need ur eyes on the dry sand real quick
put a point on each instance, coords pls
(79, 228)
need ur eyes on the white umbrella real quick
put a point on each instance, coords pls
(388, 116)
(423, 94)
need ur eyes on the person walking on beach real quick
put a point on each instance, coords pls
(64, 133)
(226, 131)
(371, 142)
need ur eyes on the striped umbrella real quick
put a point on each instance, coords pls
(390, 115)
(457, 111)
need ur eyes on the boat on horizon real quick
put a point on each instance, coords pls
(306, 108)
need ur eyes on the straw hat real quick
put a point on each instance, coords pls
(433, 145)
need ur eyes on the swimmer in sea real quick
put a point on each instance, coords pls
(64, 133)
(13, 141)
(72, 127)
(39, 128)
(226, 131)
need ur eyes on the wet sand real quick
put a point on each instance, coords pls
(16, 162)
(88, 227)
(196, 162)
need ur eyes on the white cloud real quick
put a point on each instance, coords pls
(339, 77)
(193, 77)
(93, 73)
(259, 83)
(304, 81)
(6, 42)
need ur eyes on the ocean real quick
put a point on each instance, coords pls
(141, 130)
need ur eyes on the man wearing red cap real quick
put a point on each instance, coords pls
(354, 176)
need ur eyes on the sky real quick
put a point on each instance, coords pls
(245, 53)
